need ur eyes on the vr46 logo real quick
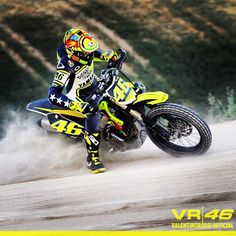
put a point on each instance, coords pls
(197, 214)
(63, 126)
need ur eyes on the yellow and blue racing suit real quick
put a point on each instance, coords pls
(78, 80)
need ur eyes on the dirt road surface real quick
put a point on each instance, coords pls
(137, 192)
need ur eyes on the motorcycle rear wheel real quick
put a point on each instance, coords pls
(182, 123)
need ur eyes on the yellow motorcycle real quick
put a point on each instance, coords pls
(129, 115)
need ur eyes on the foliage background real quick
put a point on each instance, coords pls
(184, 47)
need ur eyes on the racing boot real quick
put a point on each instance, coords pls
(94, 164)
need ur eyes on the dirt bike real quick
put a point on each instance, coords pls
(129, 115)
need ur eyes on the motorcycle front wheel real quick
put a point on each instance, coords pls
(189, 133)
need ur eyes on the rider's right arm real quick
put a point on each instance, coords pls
(104, 56)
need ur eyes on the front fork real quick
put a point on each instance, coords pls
(142, 118)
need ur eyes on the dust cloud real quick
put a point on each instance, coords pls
(27, 152)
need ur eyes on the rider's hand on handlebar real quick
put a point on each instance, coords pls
(83, 107)
(117, 62)
(111, 57)
(114, 58)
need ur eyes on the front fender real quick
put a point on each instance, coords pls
(152, 98)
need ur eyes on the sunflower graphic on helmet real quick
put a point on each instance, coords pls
(77, 40)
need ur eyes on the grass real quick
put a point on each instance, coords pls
(192, 66)
(191, 45)
(224, 109)
(30, 59)
(44, 32)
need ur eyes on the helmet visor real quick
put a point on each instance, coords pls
(88, 44)
(74, 37)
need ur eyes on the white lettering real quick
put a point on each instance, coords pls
(84, 78)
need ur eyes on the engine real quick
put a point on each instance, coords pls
(132, 135)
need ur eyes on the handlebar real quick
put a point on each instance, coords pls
(113, 69)
(121, 58)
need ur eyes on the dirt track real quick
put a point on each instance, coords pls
(136, 193)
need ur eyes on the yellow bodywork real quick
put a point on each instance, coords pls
(122, 92)
(63, 112)
(104, 107)
(154, 97)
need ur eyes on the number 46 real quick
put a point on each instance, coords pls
(225, 214)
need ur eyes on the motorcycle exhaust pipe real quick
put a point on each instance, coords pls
(44, 124)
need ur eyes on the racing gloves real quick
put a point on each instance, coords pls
(83, 107)
(109, 56)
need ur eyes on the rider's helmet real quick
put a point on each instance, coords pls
(79, 44)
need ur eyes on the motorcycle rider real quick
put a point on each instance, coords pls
(75, 73)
